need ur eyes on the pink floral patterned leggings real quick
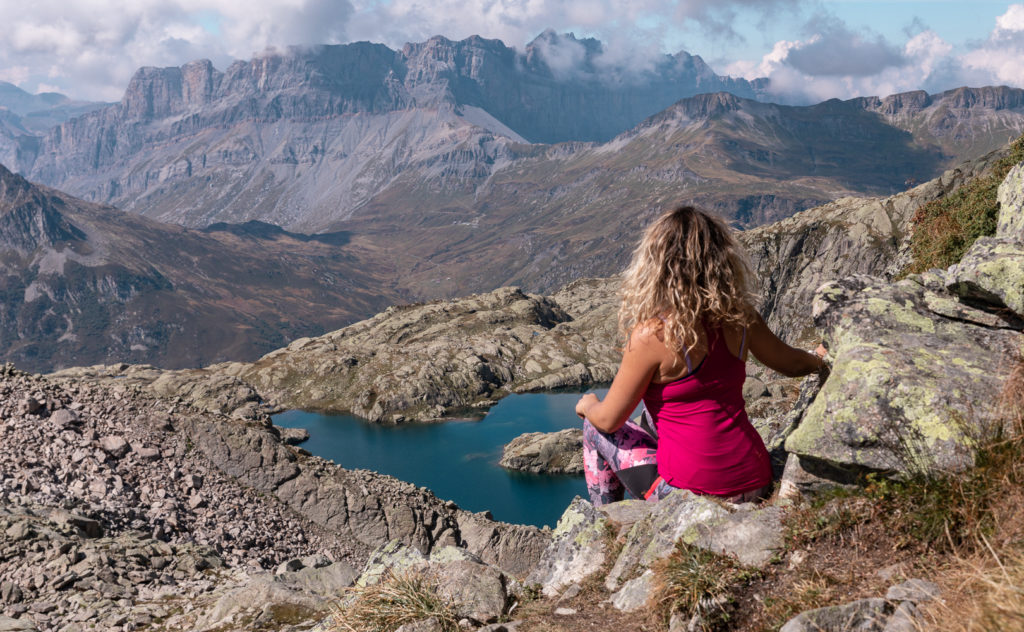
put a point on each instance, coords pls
(621, 461)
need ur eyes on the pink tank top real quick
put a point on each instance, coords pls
(705, 441)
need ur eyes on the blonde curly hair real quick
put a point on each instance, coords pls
(687, 269)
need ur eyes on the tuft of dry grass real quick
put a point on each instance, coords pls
(987, 575)
(397, 600)
(695, 581)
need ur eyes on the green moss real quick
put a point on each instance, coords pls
(944, 229)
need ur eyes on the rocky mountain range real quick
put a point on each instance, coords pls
(477, 165)
(84, 283)
(25, 117)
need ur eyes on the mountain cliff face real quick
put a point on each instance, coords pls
(426, 152)
(81, 283)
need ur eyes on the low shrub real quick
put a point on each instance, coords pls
(944, 229)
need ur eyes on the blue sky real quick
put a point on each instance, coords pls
(810, 49)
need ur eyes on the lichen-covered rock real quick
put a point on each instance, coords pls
(992, 271)
(1011, 204)
(545, 452)
(578, 548)
(635, 593)
(911, 390)
(750, 534)
(478, 590)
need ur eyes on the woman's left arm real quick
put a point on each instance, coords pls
(639, 361)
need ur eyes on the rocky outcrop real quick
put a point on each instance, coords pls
(918, 375)
(443, 359)
(795, 256)
(545, 452)
(992, 271)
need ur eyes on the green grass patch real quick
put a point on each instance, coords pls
(944, 229)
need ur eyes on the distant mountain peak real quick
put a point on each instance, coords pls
(31, 217)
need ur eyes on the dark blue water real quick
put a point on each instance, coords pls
(457, 460)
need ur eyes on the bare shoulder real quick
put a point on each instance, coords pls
(648, 334)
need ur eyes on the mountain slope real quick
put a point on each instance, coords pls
(573, 210)
(81, 284)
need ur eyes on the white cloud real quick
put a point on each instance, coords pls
(90, 48)
(15, 74)
(1012, 20)
(998, 59)
(836, 61)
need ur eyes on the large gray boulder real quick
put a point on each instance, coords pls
(915, 383)
(476, 590)
(753, 535)
(866, 615)
(579, 547)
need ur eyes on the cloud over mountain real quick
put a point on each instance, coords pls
(90, 48)
(834, 60)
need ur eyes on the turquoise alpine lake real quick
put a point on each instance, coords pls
(457, 460)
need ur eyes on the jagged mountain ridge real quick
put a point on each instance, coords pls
(568, 211)
(367, 109)
(82, 283)
(401, 148)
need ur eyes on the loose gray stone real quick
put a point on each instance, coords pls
(635, 593)
(904, 619)
(866, 615)
(477, 590)
(65, 417)
(8, 624)
(423, 625)
(754, 389)
(114, 445)
(916, 590)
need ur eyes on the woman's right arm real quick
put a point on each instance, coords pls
(777, 355)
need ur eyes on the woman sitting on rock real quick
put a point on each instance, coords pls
(688, 319)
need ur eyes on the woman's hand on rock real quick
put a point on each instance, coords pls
(588, 400)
